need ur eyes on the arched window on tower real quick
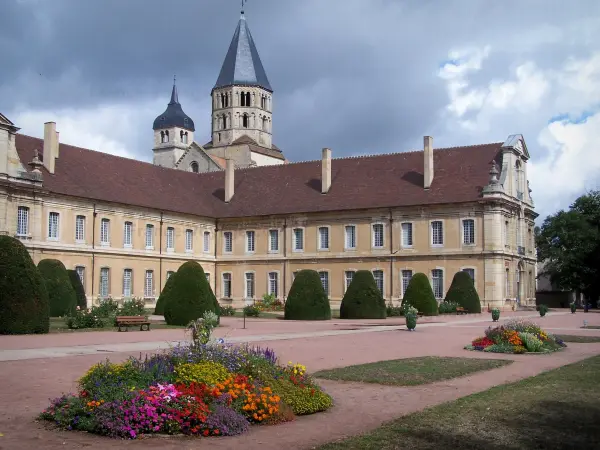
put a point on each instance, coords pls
(194, 167)
(263, 102)
(243, 99)
(247, 98)
(219, 137)
(224, 121)
(245, 120)
(164, 136)
(264, 123)
(184, 136)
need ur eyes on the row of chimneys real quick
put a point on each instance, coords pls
(326, 170)
(50, 145)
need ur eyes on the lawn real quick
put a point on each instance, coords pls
(412, 371)
(580, 339)
(559, 409)
(592, 327)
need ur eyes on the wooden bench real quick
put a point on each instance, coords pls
(461, 310)
(420, 314)
(132, 321)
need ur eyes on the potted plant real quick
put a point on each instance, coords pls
(411, 318)
(573, 307)
(495, 314)
(543, 309)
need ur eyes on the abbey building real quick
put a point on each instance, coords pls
(252, 219)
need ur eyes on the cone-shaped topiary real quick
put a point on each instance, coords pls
(419, 295)
(363, 299)
(23, 294)
(78, 288)
(307, 299)
(462, 291)
(61, 294)
(159, 309)
(189, 296)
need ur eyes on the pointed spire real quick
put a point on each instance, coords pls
(174, 96)
(173, 115)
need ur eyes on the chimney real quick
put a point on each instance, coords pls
(57, 143)
(428, 161)
(229, 187)
(50, 145)
(326, 171)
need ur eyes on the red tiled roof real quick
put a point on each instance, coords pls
(378, 181)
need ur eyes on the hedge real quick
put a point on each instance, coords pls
(462, 291)
(78, 288)
(307, 299)
(61, 294)
(420, 295)
(363, 299)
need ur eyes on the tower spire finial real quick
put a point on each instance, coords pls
(243, 3)
(174, 95)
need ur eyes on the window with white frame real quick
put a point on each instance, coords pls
(274, 240)
(437, 232)
(378, 235)
(207, 275)
(128, 234)
(149, 284)
(249, 284)
(468, 231)
(350, 237)
(407, 234)
(81, 274)
(378, 275)
(324, 276)
(471, 273)
(189, 240)
(228, 242)
(406, 277)
(53, 222)
(104, 282)
(323, 238)
(79, 228)
(22, 221)
(206, 241)
(227, 285)
(105, 232)
(298, 239)
(273, 284)
(170, 273)
(127, 286)
(170, 238)
(437, 283)
(348, 277)
(250, 241)
(149, 236)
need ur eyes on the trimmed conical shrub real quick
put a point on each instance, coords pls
(23, 294)
(78, 288)
(419, 295)
(307, 299)
(462, 291)
(189, 296)
(61, 294)
(363, 299)
(159, 309)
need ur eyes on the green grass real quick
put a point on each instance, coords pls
(592, 327)
(411, 372)
(559, 409)
(335, 314)
(58, 325)
(579, 339)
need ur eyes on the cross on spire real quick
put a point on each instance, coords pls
(243, 2)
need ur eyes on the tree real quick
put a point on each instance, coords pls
(190, 295)
(420, 295)
(78, 288)
(61, 294)
(363, 299)
(568, 244)
(23, 295)
(159, 309)
(307, 299)
(462, 291)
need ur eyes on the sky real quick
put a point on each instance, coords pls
(358, 76)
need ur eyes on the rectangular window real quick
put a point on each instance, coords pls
(227, 285)
(149, 284)
(437, 233)
(150, 237)
(468, 232)
(298, 239)
(378, 275)
(189, 240)
(437, 283)
(471, 273)
(80, 229)
(274, 283)
(350, 237)
(325, 281)
(507, 282)
(169, 273)
(206, 241)
(250, 241)
(274, 240)
(228, 242)
(323, 238)
(406, 277)
(127, 276)
(104, 279)
(81, 273)
(249, 285)
(506, 241)
(22, 221)
(378, 235)
(407, 234)
(348, 276)
(170, 238)
(128, 235)
(53, 221)
(105, 232)
(207, 275)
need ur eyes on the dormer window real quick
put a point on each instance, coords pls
(185, 121)
(194, 167)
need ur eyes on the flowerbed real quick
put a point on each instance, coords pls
(197, 389)
(517, 336)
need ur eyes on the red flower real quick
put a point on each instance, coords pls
(206, 432)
